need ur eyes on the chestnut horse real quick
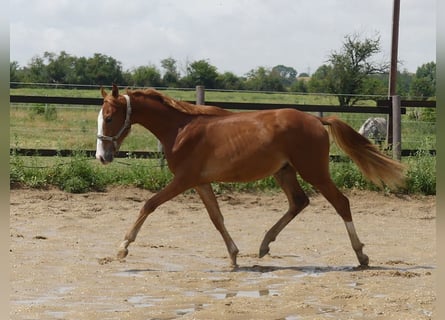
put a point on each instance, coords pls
(204, 144)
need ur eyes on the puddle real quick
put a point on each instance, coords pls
(57, 314)
(196, 307)
(130, 273)
(427, 313)
(220, 294)
(55, 294)
(143, 301)
(328, 309)
(64, 290)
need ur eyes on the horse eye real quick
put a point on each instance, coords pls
(108, 119)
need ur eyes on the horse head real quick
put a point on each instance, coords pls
(113, 124)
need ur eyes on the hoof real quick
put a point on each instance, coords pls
(122, 253)
(234, 267)
(364, 260)
(264, 251)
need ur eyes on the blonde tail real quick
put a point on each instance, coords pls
(376, 166)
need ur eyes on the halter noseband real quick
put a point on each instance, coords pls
(127, 124)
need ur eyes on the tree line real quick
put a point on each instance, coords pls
(349, 72)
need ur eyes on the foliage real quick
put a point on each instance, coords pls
(201, 72)
(262, 79)
(348, 73)
(286, 75)
(49, 112)
(77, 176)
(229, 81)
(422, 173)
(347, 175)
(319, 81)
(349, 70)
(171, 74)
(424, 83)
(146, 76)
(65, 68)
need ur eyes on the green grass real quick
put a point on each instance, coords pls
(81, 174)
(61, 127)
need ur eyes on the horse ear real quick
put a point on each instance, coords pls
(115, 91)
(103, 92)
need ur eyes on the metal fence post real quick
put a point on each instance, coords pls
(396, 128)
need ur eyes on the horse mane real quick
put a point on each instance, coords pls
(181, 106)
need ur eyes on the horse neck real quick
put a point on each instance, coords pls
(163, 121)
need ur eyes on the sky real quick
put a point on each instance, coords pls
(232, 35)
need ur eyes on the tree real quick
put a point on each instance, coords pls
(424, 82)
(171, 74)
(60, 68)
(287, 75)
(229, 81)
(102, 69)
(146, 76)
(14, 72)
(351, 68)
(262, 79)
(36, 71)
(404, 80)
(299, 86)
(319, 82)
(201, 72)
(81, 75)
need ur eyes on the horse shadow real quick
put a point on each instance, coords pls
(307, 270)
(318, 270)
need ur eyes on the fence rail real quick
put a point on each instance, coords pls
(382, 107)
(145, 154)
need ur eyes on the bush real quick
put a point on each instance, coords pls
(80, 174)
(48, 111)
(16, 170)
(145, 176)
(21, 174)
(421, 176)
(77, 176)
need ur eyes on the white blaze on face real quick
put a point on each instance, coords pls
(100, 152)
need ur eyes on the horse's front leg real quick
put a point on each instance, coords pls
(208, 197)
(169, 192)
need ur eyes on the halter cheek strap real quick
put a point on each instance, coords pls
(127, 124)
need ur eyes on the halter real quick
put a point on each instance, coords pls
(127, 124)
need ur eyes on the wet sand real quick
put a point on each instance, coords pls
(63, 267)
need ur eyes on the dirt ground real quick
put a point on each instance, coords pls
(63, 246)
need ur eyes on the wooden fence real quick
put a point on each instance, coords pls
(383, 107)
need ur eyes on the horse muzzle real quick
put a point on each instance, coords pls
(103, 154)
(106, 158)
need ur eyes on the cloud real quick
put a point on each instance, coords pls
(234, 35)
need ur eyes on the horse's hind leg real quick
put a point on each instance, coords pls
(208, 197)
(341, 205)
(298, 200)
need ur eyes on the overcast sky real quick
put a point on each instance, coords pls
(233, 35)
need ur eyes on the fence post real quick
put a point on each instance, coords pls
(200, 95)
(396, 128)
(162, 155)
